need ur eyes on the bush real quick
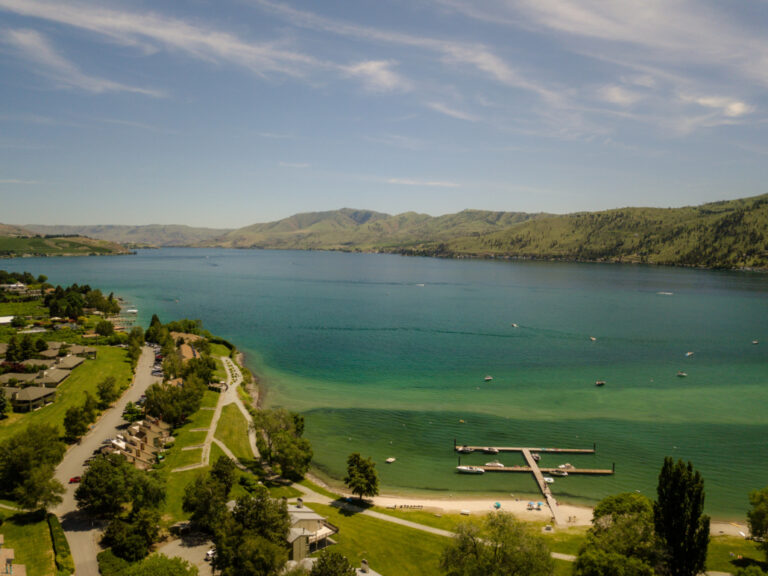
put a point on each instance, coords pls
(65, 564)
(111, 565)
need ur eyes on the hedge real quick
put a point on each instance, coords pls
(65, 564)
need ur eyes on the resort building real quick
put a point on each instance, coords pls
(84, 351)
(11, 378)
(69, 362)
(309, 531)
(142, 441)
(6, 561)
(32, 398)
(52, 378)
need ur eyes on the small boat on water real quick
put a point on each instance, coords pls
(599, 382)
(469, 470)
(514, 325)
(559, 472)
(494, 464)
(688, 354)
(464, 450)
(681, 374)
(390, 460)
(566, 466)
(549, 480)
(488, 378)
(536, 457)
(593, 339)
(755, 342)
(491, 450)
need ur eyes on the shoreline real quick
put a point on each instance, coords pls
(479, 502)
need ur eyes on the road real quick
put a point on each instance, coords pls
(82, 534)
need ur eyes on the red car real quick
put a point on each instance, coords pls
(74, 480)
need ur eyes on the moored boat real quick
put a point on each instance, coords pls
(465, 450)
(599, 382)
(549, 480)
(681, 374)
(390, 460)
(491, 450)
(488, 378)
(494, 464)
(469, 470)
(559, 472)
(536, 457)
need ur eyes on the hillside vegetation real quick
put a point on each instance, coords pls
(149, 235)
(730, 234)
(16, 245)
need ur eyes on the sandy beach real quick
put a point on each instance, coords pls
(578, 515)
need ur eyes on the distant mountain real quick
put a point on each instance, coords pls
(15, 242)
(729, 234)
(149, 235)
(365, 230)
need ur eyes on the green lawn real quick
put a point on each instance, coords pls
(210, 399)
(30, 538)
(33, 308)
(233, 431)
(566, 540)
(724, 551)
(176, 458)
(442, 521)
(390, 549)
(189, 438)
(174, 493)
(109, 362)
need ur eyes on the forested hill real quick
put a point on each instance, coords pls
(729, 234)
(148, 235)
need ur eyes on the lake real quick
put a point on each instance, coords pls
(387, 356)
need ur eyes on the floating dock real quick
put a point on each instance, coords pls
(533, 467)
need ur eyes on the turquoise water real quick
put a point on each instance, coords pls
(386, 356)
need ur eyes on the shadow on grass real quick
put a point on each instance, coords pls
(351, 506)
(25, 518)
(746, 562)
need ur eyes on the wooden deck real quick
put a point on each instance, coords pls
(533, 467)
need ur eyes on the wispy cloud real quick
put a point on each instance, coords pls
(378, 76)
(34, 47)
(428, 183)
(294, 164)
(727, 106)
(452, 112)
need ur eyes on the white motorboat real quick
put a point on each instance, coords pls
(469, 470)
(390, 460)
(494, 464)
(549, 480)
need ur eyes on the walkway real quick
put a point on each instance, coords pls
(226, 397)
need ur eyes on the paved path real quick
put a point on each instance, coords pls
(82, 534)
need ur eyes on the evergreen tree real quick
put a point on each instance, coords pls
(757, 517)
(679, 520)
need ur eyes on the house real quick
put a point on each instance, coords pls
(3, 349)
(5, 320)
(84, 351)
(6, 561)
(17, 287)
(43, 362)
(52, 378)
(69, 362)
(309, 531)
(16, 378)
(32, 398)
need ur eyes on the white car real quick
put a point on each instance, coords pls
(211, 554)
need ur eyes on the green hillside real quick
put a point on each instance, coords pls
(16, 246)
(729, 234)
(149, 235)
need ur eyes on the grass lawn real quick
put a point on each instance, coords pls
(174, 493)
(566, 540)
(30, 538)
(283, 492)
(319, 489)
(442, 521)
(109, 362)
(724, 551)
(563, 568)
(177, 458)
(389, 548)
(33, 308)
(233, 431)
(210, 399)
(189, 438)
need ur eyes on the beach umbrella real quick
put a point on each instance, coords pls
(497, 505)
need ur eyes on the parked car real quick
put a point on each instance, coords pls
(211, 554)
(74, 480)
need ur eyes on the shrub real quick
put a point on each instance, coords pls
(65, 564)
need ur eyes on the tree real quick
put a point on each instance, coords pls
(75, 423)
(362, 478)
(105, 487)
(132, 412)
(41, 345)
(18, 322)
(264, 515)
(206, 499)
(39, 489)
(27, 461)
(331, 563)
(223, 471)
(108, 391)
(621, 540)
(680, 523)
(757, 517)
(161, 565)
(281, 443)
(4, 405)
(105, 328)
(13, 352)
(503, 546)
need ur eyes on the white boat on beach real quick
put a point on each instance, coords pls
(469, 470)
(494, 464)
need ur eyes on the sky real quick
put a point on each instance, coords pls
(224, 113)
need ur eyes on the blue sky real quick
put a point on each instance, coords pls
(224, 113)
